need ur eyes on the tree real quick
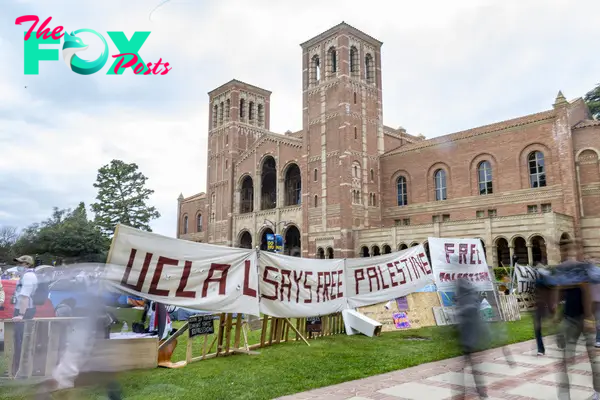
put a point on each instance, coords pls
(8, 237)
(67, 235)
(592, 99)
(122, 198)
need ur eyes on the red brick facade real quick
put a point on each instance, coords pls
(346, 185)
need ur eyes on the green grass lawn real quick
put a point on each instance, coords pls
(293, 367)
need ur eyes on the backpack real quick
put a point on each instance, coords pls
(42, 292)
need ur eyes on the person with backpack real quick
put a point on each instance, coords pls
(31, 291)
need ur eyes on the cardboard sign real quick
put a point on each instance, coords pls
(401, 320)
(402, 303)
(201, 325)
(313, 324)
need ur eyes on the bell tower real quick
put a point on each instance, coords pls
(343, 135)
(239, 114)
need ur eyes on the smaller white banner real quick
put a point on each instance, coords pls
(298, 287)
(183, 273)
(378, 279)
(453, 259)
(526, 277)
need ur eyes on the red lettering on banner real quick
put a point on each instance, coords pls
(307, 287)
(333, 285)
(140, 283)
(383, 284)
(359, 275)
(286, 273)
(181, 292)
(448, 249)
(463, 250)
(406, 267)
(425, 263)
(247, 290)
(274, 283)
(222, 280)
(326, 285)
(400, 271)
(297, 279)
(390, 266)
(339, 283)
(372, 274)
(413, 264)
(162, 261)
(319, 285)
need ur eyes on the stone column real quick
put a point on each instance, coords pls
(530, 254)
(511, 252)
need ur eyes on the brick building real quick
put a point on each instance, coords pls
(347, 185)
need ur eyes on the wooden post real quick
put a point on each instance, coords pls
(263, 333)
(188, 350)
(220, 333)
(238, 328)
(228, 333)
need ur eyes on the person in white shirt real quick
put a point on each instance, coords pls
(24, 307)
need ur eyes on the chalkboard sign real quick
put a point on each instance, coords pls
(313, 324)
(201, 325)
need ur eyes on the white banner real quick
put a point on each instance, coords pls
(526, 277)
(299, 287)
(382, 278)
(183, 273)
(459, 258)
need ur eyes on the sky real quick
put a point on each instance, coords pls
(446, 66)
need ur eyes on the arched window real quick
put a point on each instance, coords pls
(242, 107)
(354, 97)
(221, 113)
(315, 173)
(355, 133)
(320, 253)
(251, 111)
(369, 69)
(227, 109)
(332, 54)
(537, 170)
(372, 175)
(215, 115)
(484, 176)
(356, 169)
(316, 203)
(353, 61)
(440, 185)
(261, 115)
(315, 70)
(199, 223)
(185, 225)
(402, 192)
(226, 165)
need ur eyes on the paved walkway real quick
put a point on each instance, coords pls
(533, 377)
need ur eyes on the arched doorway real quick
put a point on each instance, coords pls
(520, 250)
(502, 252)
(414, 244)
(247, 195)
(483, 247)
(245, 241)
(402, 246)
(538, 250)
(268, 181)
(263, 238)
(387, 249)
(364, 251)
(293, 186)
(565, 246)
(330, 253)
(375, 251)
(320, 253)
(291, 242)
